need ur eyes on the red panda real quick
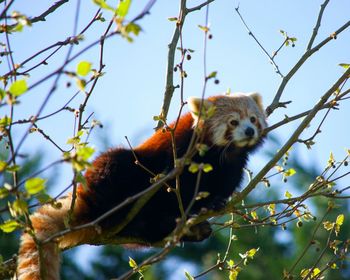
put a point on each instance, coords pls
(230, 131)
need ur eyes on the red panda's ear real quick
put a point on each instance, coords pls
(258, 100)
(195, 104)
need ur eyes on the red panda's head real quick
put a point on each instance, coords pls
(236, 119)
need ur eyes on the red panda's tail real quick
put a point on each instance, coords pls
(35, 264)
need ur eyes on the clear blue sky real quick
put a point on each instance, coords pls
(131, 92)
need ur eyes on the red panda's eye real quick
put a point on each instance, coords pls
(234, 122)
(253, 119)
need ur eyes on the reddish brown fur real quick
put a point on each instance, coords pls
(115, 177)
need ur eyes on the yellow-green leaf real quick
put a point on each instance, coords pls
(20, 206)
(272, 208)
(254, 215)
(34, 185)
(233, 274)
(83, 68)
(85, 152)
(132, 263)
(123, 8)
(188, 276)
(316, 271)
(202, 195)
(103, 4)
(334, 266)
(288, 194)
(2, 94)
(18, 87)
(340, 219)
(331, 159)
(133, 28)
(212, 75)
(344, 65)
(81, 83)
(230, 263)
(193, 168)
(3, 193)
(207, 167)
(251, 253)
(204, 28)
(328, 225)
(289, 172)
(9, 226)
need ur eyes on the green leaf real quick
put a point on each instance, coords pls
(212, 75)
(338, 223)
(233, 274)
(331, 159)
(3, 193)
(80, 178)
(18, 88)
(5, 121)
(102, 4)
(83, 68)
(43, 197)
(9, 226)
(290, 172)
(340, 219)
(193, 168)
(202, 195)
(230, 263)
(254, 215)
(123, 8)
(172, 18)
(85, 152)
(204, 28)
(133, 28)
(188, 276)
(288, 194)
(81, 83)
(207, 167)
(2, 94)
(251, 253)
(34, 185)
(20, 206)
(13, 168)
(344, 65)
(132, 263)
(328, 225)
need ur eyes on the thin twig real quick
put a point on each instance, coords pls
(276, 101)
(318, 24)
(260, 45)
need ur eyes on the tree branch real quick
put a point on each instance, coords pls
(169, 84)
(291, 140)
(318, 24)
(271, 59)
(276, 101)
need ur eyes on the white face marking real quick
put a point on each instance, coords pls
(238, 120)
(245, 134)
(219, 135)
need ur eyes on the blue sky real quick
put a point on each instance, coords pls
(130, 93)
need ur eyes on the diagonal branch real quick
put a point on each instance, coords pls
(318, 24)
(271, 58)
(276, 101)
(169, 84)
(291, 140)
(52, 9)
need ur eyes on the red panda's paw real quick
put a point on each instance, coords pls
(198, 232)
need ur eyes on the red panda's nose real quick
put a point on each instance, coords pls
(249, 132)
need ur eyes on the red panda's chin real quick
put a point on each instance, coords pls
(247, 142)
